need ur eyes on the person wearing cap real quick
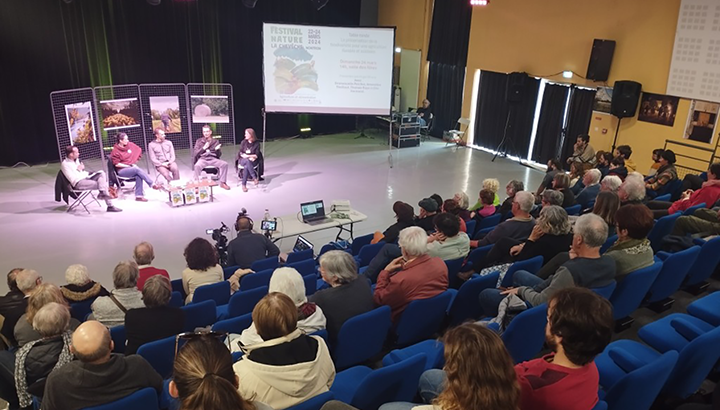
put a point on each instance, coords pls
(428, 210)
(405, 215)
(665, 174)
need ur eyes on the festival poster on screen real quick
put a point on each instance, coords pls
(336, 70)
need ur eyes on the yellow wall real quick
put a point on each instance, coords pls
(412, 19)
(549, 36)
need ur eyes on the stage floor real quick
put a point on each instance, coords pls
(39, 234)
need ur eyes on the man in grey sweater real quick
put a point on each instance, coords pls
(586, 268)
(518, 227)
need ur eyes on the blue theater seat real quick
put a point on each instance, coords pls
(361, 337)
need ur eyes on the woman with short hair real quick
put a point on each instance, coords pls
(512, 188)
(110, 310)
(349, 295)
(632, 250)
(289, 367)
(44, 294)
(561, 183)
(79, 286)
(404, 215)
(202, 267)
(157, 320)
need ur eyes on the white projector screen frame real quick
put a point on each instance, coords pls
(328, 69)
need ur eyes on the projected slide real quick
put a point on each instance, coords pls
(328, 70)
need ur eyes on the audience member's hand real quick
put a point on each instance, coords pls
(686, 194)
(536, 233)
(515, 250)
(510, 291)
(396, 264)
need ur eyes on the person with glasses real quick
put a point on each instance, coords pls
(203, 377)
(289, 367)
(97, 376)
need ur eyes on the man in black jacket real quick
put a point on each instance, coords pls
(249, 246)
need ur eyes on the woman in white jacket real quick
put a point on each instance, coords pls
(310, 317)
(289, 367)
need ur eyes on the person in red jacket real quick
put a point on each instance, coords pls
(414, 275)
(709, 194)
(124, 156)
(144, 254)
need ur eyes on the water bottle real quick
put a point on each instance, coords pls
(267, 215)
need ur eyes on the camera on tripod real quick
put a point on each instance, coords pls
(221, 242)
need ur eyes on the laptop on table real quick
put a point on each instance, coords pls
(313, 213)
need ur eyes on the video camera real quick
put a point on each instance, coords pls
(221, 242)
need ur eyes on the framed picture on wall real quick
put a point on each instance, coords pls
(658, 109)
(603, 99)
(165, 113)
(702, 121)
(209, 109)
(121, 113)
(80, 123)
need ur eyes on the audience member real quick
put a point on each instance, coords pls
(125, 155)
(437, 198)
(12, 305)
(632, 191)
(405, 215)
(424, 113)
(492, 185)
(606, 205)
(310, 316)
(156, 320)
(549, 197)
(79, 286)
(207, 153)
(289, 367)
(585, 268)
(554, 167)
(656, 156)
(144, 254)
(518, 227)
(414, 275)
(44, 294)
(632, 250)
(162, 156)
(665, 174)
(512, 188)
(561, 183)
(583, 152)
(349, 295)
(610, 183)
(450, 206)
(624, 152)
(617, 168)
(110, 310)
(603, 162)
(580, 325)
(703, 221)
(591, 181)
(709, 194)
(202, 267)
(428, 210)
(203, 377)
(463, 202)
(478, 374)
(98, 376)
(249, 246)
(27, 280)
(448, 242)
(577, 172)
(50, 352)
(487, 208)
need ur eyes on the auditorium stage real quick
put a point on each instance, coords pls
(39, 234)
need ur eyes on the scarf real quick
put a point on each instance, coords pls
(306, 310)
(20, 376)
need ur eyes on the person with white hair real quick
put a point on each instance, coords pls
(632, 191)
(591, 180)
(349, 295)
(110, 310)
(414, 275)
(610, 183)
(518, 227)
(79, 286)
(310, 316)
(586, 268)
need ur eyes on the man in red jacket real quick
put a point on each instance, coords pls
(124, 156)
(709, 194)
(144, 255)
(414, 275)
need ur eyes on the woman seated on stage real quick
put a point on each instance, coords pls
(202, 267)
(405, 215)
(249, 156)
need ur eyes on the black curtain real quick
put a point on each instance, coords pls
(579, 116)
(445, 90)
(447, 54)
(49, 45)
(549, 131)
(494, 113)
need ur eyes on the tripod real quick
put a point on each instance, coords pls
(502, 147)
(361, 125)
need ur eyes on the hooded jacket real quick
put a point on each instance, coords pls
(128, 155)
(283, 386)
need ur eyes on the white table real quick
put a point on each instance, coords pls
(292, 225)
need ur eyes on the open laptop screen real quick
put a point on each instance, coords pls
(312, 210)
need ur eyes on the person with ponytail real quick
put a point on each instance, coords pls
(203, 378)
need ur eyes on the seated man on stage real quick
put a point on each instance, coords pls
(248, 156)
(162, 155)
(124, 156)
(74, 171)
(207, 154)
(424, 113)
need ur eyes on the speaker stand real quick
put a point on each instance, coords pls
(616, 133)
(502, 147)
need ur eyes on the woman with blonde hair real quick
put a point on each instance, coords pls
(478, 374)
(493, 185)
(44, 294)
(203, 378)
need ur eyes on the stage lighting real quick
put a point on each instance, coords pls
(249, 3)
(567, 74)
(154, 2)
(319, 3)
(305, 132)
(479, 2)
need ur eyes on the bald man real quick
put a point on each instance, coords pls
(98, 376)
(143, 256)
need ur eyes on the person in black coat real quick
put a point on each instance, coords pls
(155, 321)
